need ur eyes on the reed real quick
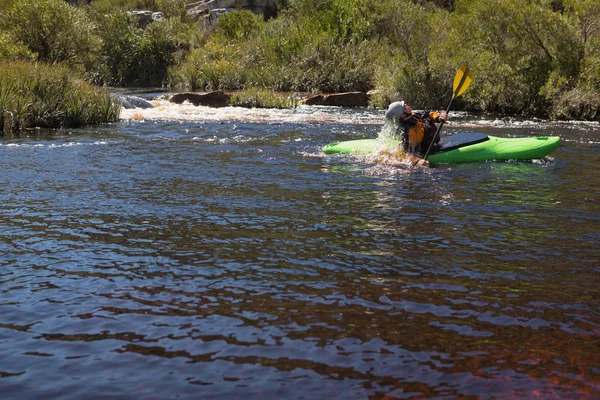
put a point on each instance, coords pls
(49, 96)
(262, 98)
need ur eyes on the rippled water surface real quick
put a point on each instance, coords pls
(188, 252)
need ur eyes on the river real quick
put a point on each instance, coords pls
(188, 252)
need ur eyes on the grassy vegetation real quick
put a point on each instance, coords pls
(49, 96)
(541, 57)
(262, 98)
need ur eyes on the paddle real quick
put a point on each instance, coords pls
(462, 80)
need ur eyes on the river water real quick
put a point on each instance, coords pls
(188, 252)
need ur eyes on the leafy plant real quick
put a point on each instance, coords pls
(54, 31)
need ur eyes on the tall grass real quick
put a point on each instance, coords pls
(262, 98)
(40, 95)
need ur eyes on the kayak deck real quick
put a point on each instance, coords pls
(495, 148)
(462, 147)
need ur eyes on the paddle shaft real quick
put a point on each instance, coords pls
(457, 91)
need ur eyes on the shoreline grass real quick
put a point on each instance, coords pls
(36, 95)
(262, 98)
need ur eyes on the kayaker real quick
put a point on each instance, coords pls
(414, 131)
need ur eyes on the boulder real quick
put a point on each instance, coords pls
(211, 99)
(202, 8)
(348, 99)
(315, 100)
(130, 102)
(146, 17)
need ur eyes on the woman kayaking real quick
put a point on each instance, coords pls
(415, 131)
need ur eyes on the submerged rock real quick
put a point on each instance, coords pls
(130, 102)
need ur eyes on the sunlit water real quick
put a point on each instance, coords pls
(189, 252)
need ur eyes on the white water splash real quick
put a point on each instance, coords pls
(52, 145)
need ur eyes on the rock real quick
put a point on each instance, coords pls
(215, 8)
(315, 100)
(209, 21)
(130, 102)
(146, 17)
(349, 99)
(211, 99)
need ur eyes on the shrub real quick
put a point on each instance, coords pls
(578, 103)
(407, 70)
(11, 50)
(54, 31)
(238, 25)
(515, 49)
(158, 48)
(136, 57)
(120, 48)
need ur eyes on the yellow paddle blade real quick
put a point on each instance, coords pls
(462, 80)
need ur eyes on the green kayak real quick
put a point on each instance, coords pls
(462, 147)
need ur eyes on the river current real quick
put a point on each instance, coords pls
(196, 253)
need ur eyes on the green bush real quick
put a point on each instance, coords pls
(515, 49)
(346, 20)
(238, 25)
(158, 50)
(49, 96)
(408, 70)
(140, 57)
(54, 31)
(120, 47)
(578, 103)
(214, 67)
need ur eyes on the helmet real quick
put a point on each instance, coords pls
(395, 111)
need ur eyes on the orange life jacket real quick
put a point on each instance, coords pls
(420, 129)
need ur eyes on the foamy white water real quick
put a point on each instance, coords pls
(166, 111)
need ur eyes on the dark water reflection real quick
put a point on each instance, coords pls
(205, 260)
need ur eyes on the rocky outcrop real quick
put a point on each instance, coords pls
(348, 99)
(208, 11)
(203, 7)
(146, 17)
(211, 99)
